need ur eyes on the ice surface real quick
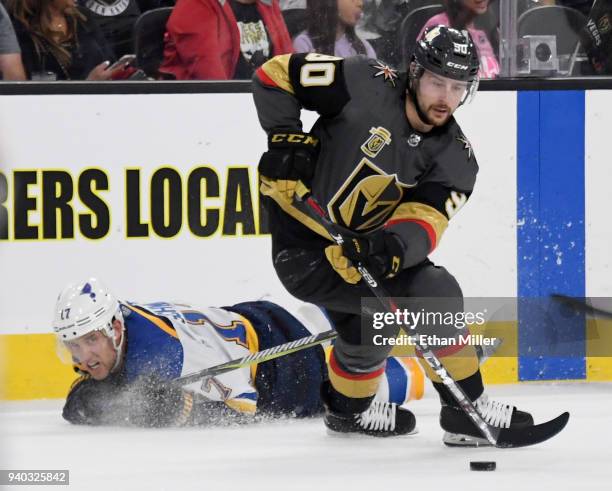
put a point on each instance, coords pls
(298, 454)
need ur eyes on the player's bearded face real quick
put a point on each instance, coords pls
(439, 97)
(94, 353)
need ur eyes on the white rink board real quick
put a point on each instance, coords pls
(218, 130)
(479, 246)
(598, 194)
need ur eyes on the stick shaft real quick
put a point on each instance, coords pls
(582, 305)
(309, 205)
(258, 357)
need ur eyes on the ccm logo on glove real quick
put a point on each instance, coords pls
(294, 138)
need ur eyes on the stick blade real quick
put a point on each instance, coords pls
(532, 435)
(581, 305)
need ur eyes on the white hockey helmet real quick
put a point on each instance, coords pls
(85, 307)
(82, 308)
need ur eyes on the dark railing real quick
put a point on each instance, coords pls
(225, 87)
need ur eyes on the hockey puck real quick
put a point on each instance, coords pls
(482, 466)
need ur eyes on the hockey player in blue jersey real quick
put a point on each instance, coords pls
(127, 353)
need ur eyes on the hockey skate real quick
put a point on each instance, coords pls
(381, 419)
(460, 431)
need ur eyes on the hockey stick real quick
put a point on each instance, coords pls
(499, 437)
(483, 353)
(581, 305)
(259, 357)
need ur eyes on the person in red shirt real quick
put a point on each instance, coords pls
(223, 39)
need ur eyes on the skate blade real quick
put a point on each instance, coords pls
(352, 435)
(459, 440)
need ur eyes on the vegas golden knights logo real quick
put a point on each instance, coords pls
(367, 198)
(604, 24)
(379, 137)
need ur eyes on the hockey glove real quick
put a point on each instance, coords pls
(92, 402)
(158, 403)
(381, 252)
(148, 402)
(155, 403)
(291, 157)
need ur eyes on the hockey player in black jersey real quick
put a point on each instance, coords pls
(391, 165)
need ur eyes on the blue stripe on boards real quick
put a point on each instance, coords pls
(550, 233)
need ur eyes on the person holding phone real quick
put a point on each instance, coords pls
(59, 41)
(116, 19)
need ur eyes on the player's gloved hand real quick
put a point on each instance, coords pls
(291, 157)
(91, 402)
(381, 252)
(156, 403)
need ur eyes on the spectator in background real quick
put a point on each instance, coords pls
(154, 4)
(58, 42)
(223, 40)
(596, 37)
(381, 23)
(472, 15)
(116, 19)
(331, 29)
(292, 4)
(583, 6)
(11, 66)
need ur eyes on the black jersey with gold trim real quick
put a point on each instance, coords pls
(374, 170)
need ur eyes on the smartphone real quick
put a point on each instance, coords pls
(122, 62)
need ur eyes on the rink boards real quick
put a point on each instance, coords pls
(157, 196)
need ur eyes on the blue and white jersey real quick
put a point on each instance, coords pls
(170, 340)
